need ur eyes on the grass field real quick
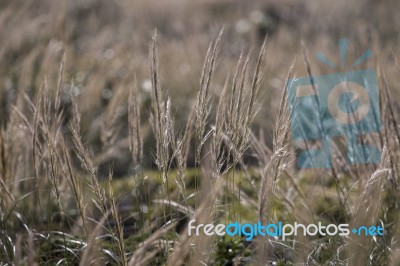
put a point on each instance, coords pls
(123, 120)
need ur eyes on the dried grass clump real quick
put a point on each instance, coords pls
(55, 208)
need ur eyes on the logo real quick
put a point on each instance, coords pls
(335, 105)
(280, 229)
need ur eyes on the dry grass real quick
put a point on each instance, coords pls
(105, 157)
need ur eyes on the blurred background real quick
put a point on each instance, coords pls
(106, 45)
